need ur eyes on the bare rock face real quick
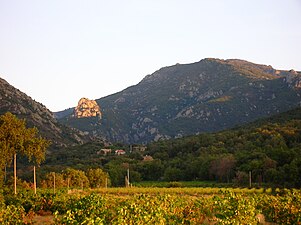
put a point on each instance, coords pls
(87, 108)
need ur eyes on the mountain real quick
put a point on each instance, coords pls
(186, 99)
(36, 114)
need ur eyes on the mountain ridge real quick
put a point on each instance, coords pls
(185, 99)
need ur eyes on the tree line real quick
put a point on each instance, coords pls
(268, 152)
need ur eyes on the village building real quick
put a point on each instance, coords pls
(104, 151)
(119, 152)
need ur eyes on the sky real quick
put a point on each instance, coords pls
(57, 51)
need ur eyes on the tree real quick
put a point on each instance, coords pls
(77, 178)
(173, 174)
(116, 171)
(15, 138)
(48, 182)
(223, 167)
(151, 170)
(97, 178)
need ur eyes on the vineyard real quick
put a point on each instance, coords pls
(153, 206)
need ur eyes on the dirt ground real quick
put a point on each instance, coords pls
(49, 220)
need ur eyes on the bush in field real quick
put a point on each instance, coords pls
(13, 215)
(42, 201)
(164, 206)
(87, 210)
(140, 209)
(233, 208)
(174, 184)
(144, 209)
(282, 209)
(22, 184)
(24, 199)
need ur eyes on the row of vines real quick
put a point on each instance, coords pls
(225, 207)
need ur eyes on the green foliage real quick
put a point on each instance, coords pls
(13, 215)
(233, 208)
(221, 208)
(117, 172)
(97, 178)
(43, 201)
(15, 139)
(282, 209)
(174, 184)
(156, 206)
(269, 148)
(48, 180)
(90, 209)
(77, 178)
(72, 178)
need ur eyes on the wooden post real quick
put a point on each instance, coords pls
(15, 173)
(106, 183)
(34, 180)
(68, 185)
(54, 182)
(126, 181)
(128, 177)
(250, 179)
(5, 174)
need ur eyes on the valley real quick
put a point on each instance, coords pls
(225, 135)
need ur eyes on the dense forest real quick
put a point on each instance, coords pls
(269, 148)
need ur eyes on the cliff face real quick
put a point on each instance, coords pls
(87, 108)
(186, 99)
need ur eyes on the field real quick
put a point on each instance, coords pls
(152, 206)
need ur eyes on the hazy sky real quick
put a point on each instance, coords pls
(58, 51)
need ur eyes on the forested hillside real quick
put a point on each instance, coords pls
(269, 148)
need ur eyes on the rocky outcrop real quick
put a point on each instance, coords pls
(87, 108)
(293, 79)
